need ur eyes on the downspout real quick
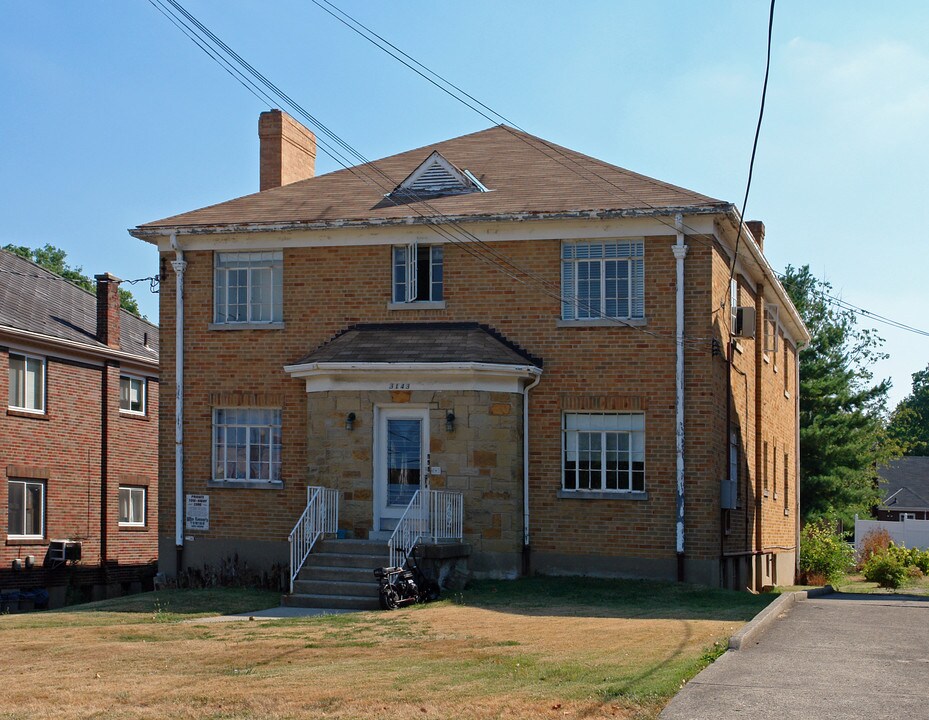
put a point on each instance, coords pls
(680, 252)
(797, 462)
(526, 553)
(179, 265)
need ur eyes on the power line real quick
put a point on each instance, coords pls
(751, 164)
(497, 259)
(862, 312)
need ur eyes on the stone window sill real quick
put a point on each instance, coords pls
(246, 484)
(27, 542)
(12, 412)
(133, 528)
(600, 495)
(424, 305)
(246, 326)
(603, 322)
(133, 415)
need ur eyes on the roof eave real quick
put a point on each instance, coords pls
(151, 233)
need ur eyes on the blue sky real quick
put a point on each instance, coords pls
(112, 118)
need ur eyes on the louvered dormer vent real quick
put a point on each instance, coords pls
(436, 177)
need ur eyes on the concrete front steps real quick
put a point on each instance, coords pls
(339, 574)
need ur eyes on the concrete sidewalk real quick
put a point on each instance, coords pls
(834, 656)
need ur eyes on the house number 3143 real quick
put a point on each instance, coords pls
(398, 386)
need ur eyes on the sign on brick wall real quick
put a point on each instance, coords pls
(198, 512)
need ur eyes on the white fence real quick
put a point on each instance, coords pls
(909, 533)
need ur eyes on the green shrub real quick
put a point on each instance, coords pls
(824, 554)
(887, 569)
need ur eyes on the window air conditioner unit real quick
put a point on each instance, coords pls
(64, 550)
(727, 494)
(744, 322)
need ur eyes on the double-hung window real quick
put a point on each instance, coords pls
(417, 273)
(131, 506)
(247, 444)
(603, 280)
(248, 287)
(132, 395)
(26, 509)
(27, 383)
(604, 452)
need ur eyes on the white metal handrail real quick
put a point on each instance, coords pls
(434, 515)
(320, 517)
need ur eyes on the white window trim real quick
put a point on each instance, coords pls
(411, 283)
(144, 382)
(245, 482)
(26, 482)
(601, 492)
(44, 361)
(276, 262)
(132, 489)
(571, 297)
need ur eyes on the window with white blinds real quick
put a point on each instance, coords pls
(248, 287)
(603, 280)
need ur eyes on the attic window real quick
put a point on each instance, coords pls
(436, 177)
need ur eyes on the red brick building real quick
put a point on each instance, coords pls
(79, 437)
(545, 335)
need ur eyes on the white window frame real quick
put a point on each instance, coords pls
(251, 263)
(406, 258)
(132, 490)
(771, 328)
(143, 391)
(635, 445)
(601, 252)
(222, 448)
(25, 484)
(26, 357)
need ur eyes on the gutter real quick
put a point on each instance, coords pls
(179, 265)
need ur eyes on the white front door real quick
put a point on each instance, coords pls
(401, 463)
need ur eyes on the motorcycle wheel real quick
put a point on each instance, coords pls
(389, 598)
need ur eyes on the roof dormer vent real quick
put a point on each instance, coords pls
(436, 177)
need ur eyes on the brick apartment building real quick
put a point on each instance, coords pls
(79, 449)
(546, 334)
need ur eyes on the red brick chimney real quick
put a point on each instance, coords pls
(757, 228)
(108, 309)
(288, 150)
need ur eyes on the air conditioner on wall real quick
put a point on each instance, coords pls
(60, 551)
(744, 322)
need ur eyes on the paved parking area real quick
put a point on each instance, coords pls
(834, 656)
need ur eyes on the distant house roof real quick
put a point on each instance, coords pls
(525, 177)
(907, 483)
(37, 301)
(453, 342)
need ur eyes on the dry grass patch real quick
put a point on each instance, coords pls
(483, 659)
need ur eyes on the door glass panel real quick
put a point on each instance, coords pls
(404, 460)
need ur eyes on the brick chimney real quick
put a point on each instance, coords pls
(108, 309)
(288, 150)
(757, 228)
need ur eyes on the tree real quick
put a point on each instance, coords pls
(909, 424)
(842, 433)
(53, 259)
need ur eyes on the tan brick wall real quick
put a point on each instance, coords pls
(330, 288)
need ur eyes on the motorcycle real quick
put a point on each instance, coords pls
(405, 584)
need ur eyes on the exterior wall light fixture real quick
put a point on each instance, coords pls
(449, 421)
(350, 421)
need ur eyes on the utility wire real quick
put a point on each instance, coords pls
(497, 259)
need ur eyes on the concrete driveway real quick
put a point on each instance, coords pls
(834, 656)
